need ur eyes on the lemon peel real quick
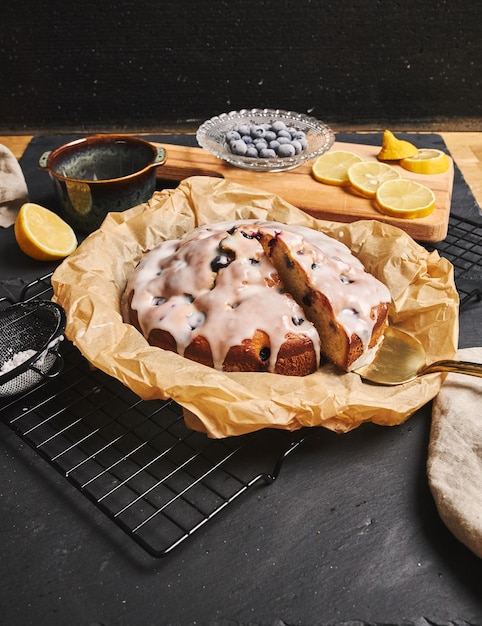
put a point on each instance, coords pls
(394, 149)
(42, 234)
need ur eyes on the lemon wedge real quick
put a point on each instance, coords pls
(427, 161)
(367, 176)
(331, 168)
(394, 149)
(42, 234)
(404, 198)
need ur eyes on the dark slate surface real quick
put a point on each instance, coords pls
(347, 535)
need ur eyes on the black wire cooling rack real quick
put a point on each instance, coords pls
(463, 248)
(137, 461)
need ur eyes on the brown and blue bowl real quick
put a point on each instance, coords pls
(100, 174)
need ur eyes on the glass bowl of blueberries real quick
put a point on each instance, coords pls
(265, 140)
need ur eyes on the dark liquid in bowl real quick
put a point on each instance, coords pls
(105, 162)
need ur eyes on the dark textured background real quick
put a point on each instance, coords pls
(145, 65)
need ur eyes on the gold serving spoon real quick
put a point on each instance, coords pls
(401, 358)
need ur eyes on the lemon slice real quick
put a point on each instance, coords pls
(42, 234)
(394, 149)
(427, 161)
(331, 168)
(405, 198)
(367, 176)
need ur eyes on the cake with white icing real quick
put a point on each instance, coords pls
(347, 305)
(251, 295)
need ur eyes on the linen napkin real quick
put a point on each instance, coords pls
(454, 463)
(13, 188)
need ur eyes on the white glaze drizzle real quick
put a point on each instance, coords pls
(248, 295)
(332, 269)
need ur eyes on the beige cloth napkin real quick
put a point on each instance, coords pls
(454, 462)
(13, 188)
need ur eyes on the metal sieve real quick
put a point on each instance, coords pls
(30, 333)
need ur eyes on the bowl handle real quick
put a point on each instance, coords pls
(161, 156)
(56, 368)
(42, 162)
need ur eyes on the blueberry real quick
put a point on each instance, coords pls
(297, 321)
(278, 125)
(288, 262)
(158, 300)
(196, 319)
(350, 311)
(252, 152)
(267, 153)
(232, 135)
(220, 261)
(268, 137)
(243, 129)
(257, 131)
(238, 146)
(286, 150)
(345, 280)
(264, 353)
(260, 143)
(297, 146)
(284, 133)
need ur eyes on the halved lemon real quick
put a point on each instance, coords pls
(331, 168)
(367, 176)
(427, 161)
(405, 198)
(394, 149)
(42, 234)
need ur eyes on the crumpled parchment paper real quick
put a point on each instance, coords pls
(89, 284)
(454, 464)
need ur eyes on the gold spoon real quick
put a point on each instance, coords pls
(401, 358)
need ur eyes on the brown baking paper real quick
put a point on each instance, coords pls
(89, 284)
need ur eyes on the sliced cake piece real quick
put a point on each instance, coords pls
(347, 305)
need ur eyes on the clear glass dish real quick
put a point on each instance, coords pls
(211, 136)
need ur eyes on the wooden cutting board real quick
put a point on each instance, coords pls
(322, 201)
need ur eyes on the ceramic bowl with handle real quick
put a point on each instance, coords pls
(95, 175)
